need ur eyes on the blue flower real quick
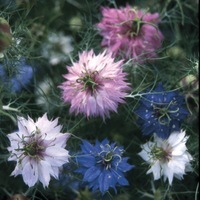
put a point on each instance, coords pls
(102, 165)
(15, 74)
(161, 112)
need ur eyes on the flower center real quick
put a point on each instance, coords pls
(162, 112)
(57, 48)
(33, 149)
(88, 81)
(136, 26)
(108, 157)
(160, 154)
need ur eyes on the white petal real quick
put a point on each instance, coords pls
(179, 149)
(168, 172)
(17, 170)
(44, 170)
(177, 166)
(55, 172)
(56, 156)
(30, 126)
(144, 155)
(56, 152)
(30, 173)
(175, 138)
(56, 162)
(156, 169)
(23, 131)
(61, 139)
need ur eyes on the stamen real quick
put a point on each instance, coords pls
(88, 81)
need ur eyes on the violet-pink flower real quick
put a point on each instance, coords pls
(39, 150)
(130, 33)
(95, 85)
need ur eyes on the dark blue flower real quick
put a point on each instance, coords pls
(15, 74)
(161, 112)
(102, 165)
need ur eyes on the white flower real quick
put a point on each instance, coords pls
(168, 158)
(57, 48)
(38, 149)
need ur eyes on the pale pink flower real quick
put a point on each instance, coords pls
(167, 157)
(94, 85)
(130, 33)
(38, 149)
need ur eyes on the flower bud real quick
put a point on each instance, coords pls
(75, 23)
(176, 52)
(5, 34)
(189, 80)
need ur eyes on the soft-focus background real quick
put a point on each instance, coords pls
(47, 36)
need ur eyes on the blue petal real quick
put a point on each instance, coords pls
(121, 180)
(91, 174)
(86, 161)
(148, 129)
(81, 170)
(87, 147)
(124, 166)
(105, 181)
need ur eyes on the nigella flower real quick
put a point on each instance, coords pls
(168, 158)
(38, 149)
(57, 47)
(94, 85)
(16, 74)
(130, 33)
(161, 112)
(102, 165)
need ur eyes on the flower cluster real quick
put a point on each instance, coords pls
(168, 158)
(102, 165)
(161, 111)
(130, 33)
(79, 64)
(95, 85)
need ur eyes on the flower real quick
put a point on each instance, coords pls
(130, 33)
(168, 158)
(16, 74)
(95, 84)
(161, 112)
(102, 165)
(38, 149)
(57, 48)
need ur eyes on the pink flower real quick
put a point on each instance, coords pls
(130, 33)
(94, 85)
(38, 149)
